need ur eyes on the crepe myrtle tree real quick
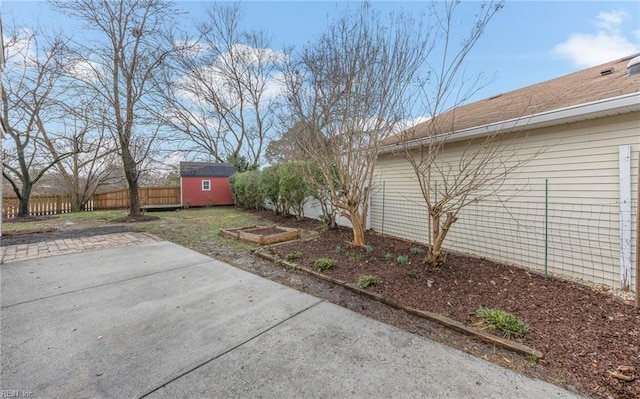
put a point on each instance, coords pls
(346, 92)
(480, 171)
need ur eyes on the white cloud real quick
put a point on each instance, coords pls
(84, 70)
(611, 20)
(609, 43)
(407, 124)
(20, 49)
(244, 61)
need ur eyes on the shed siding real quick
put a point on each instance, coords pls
(580, 161)
(193, 195)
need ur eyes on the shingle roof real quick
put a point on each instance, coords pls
(601, 82)
(206, 169)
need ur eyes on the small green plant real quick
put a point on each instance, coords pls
(354, 256)
(293, 256)
(412, 274)
(324, 264)
(388, 256)
(532, 360)
(506, 322)
(402, 259)
(369, 281)
(338, 249)
(369, 248)
(440, 338)
(417, 250)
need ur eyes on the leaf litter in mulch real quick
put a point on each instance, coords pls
(586, 335)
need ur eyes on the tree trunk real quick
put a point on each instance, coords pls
(23, 207)
(23, 200)
(131, 174)
(76, 201)
(134, 201)
(358, 227)
(434, 255)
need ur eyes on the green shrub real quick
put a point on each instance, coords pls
(338, 249)
(293, 256)
(324, 263)
(506, 322)
(270, 187)
(417, 250)
(246, 191)
(354, 256)
(294, 187)
(369, 281)
(402, 259)
(388, 256)
(369, 248)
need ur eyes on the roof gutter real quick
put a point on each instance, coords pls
(596, 109)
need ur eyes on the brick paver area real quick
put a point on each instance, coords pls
(13, 253)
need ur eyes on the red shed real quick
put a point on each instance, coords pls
(205, 184)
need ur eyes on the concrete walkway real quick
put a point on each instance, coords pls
(158, 320)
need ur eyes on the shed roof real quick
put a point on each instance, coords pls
(605, 81)
(206, 169)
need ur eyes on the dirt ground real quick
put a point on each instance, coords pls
(585, 335)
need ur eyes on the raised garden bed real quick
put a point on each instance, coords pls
(262, 235)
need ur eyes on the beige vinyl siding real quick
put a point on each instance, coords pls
(580, 161)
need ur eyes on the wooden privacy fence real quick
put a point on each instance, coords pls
(148, 196)
(40, 205)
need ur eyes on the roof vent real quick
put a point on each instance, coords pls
(607, 71)
(634, 66)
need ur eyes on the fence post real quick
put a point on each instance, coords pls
(625, 216)
(383, 197)
(638, 237)
(546, 226)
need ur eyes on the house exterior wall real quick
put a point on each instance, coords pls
(580, 161)
(193, 195)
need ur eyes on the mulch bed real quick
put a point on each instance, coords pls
(29, 231)
(586, 335)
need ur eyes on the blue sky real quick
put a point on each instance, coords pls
(527, 42)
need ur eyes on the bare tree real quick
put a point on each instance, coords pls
(120, 66)
(448, 185)
(350, 89)
(30, 84)
(222, 91)
(94, 161)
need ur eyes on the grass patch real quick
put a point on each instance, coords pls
(506, 322)
(369, 281)
(354, 256)
(324, 264)
(417, 250)
(197, 229)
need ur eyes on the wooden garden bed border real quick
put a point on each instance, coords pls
(445, 321)
(245, 234)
